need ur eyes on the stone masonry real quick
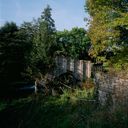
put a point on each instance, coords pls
(80, 68)
(112, 90)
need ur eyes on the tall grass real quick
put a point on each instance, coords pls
(73, 109)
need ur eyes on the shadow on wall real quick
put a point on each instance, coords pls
(112, 90)
(80, 68)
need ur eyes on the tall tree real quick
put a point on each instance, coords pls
(13, 51)
(28, 30)
(44, 39)
(108, 27)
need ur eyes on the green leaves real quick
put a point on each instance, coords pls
(74, 43)
(43, 41)
(14, 50)
(108, 26)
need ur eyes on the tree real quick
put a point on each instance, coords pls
(62, 39)
(27, 31)
(74, 43)
(44, 40)
(108, 27)
(80, 43)
(14, 48)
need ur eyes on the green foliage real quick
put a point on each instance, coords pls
(50, 112)
(3, 105)
(41, 34)
(43, 41)
(14, 49)
(74, 43)
(108, 27)
(120, 61)
(73, 96)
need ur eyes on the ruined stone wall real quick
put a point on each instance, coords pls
(80, 68)
(112, 90)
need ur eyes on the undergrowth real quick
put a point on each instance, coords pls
(73, 109)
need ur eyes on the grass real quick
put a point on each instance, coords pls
(66, 111)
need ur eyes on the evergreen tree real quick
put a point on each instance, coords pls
(14, 48)
(44, 39)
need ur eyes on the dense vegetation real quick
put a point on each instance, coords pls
(14, 50)
(30, 48)
(74, 43)
(108, 31)
(28, 51)
(70, 110)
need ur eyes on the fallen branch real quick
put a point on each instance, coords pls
(65, 85)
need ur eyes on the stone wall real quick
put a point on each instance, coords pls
(80, 68)
(112, 90)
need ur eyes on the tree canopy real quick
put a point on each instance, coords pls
(74, 43)
(44, 39)
(108, 29)
(14, 48)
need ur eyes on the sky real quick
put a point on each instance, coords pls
(66, 13)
